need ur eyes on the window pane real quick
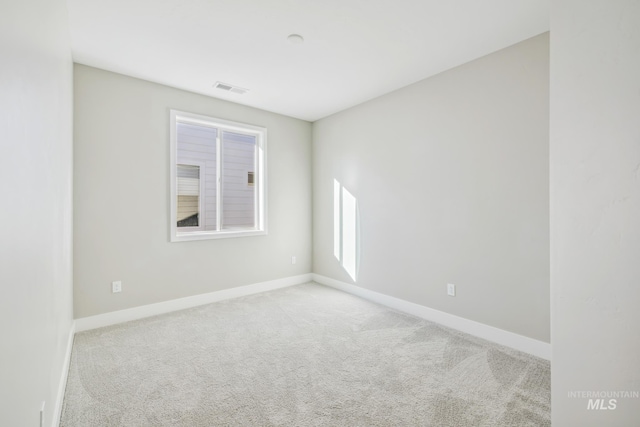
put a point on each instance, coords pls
(197, 147)
(188, 196)
(238, 186)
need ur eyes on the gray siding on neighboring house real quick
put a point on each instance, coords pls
(197, 146)
(238, 196)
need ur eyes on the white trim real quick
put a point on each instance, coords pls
(219, 172)
(114, 317)
(173, 175)
(213, 122)
(490, 333)
(62, 384)
(260, 174)
(206, 235)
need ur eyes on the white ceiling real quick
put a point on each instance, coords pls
(354, 50)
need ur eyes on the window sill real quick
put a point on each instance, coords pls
(204, 235)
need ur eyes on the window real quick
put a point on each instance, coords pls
(217, 178)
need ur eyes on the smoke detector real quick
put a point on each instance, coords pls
(295, 39)
(230, 88)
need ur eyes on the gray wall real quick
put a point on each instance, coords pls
(595, 208)
(451, 179)
(122, 160)
(35, 193)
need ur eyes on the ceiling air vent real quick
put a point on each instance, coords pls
(230, 88)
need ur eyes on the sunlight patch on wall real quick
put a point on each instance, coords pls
(336, 220)
(345, 229)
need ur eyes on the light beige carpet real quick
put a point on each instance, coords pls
(306, 355)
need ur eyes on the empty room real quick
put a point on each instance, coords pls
(320, 213)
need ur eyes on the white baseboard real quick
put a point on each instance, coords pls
(490, 333)
(114, 317)
(62, 384)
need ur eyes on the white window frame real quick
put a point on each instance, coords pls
(260, 177)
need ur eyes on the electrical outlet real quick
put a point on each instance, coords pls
(116, 286)
(42, 415)
(451, 289)
(293, 259)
